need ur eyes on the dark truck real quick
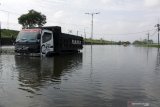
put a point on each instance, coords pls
(46, 41)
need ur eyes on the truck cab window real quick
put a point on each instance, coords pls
(46, 37)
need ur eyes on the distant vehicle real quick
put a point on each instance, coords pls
(46, 41)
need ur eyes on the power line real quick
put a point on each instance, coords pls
(132, 33)
(68, 23)
(10, 12)
(153, 33)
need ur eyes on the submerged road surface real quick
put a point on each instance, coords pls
(99, 76)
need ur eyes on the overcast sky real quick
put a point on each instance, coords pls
(117, 20)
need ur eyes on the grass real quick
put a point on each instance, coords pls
(97, 41)
(7, 33)
(149, 45)
(153, 45)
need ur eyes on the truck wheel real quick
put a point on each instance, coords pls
(43, 49)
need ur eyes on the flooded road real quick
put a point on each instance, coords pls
(99, 76)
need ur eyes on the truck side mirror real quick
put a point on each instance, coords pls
(39, 36)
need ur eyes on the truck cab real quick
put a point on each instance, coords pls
(34, 41)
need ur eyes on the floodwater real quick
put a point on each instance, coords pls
(99, 76)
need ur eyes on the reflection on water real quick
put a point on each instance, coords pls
(91, 66)
(35, 73)
(103, 76)
(158, 61)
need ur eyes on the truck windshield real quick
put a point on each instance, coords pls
(27, 36)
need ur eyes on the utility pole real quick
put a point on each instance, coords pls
(0, 39)
(92, 15)
(148, 37)
(8, 21)
(84, 36)
(158, 27)
(8, 14)
(84, 33)
(77, 32)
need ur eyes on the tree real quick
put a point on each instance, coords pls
(32, 19)
(150, 41)
(127, 42)
(137, 42)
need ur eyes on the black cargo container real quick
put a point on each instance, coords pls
(65, 42)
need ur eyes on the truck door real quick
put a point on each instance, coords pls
(47, 42)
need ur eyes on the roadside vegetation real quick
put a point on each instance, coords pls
(143, 42)
(8, 36)
(146, 43)
(5, 33)
(101, 41)
(88, 41)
